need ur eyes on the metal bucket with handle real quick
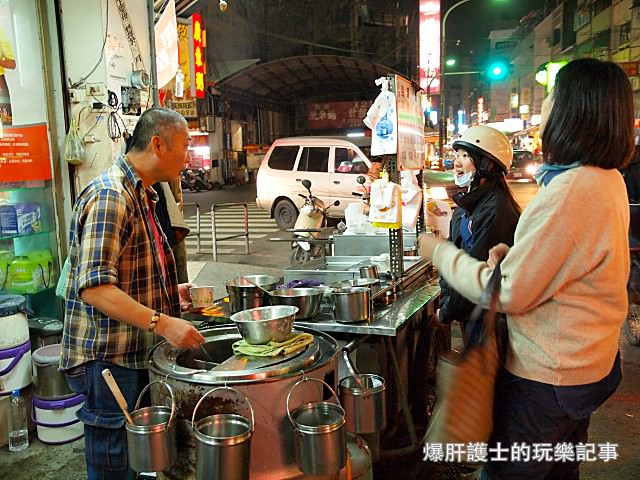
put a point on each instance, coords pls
(223, 442)
(320, 437)
(151, 438)
(363, 397)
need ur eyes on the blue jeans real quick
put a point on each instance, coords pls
(105, 438)
(531, 412)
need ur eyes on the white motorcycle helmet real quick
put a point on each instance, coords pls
(486, 141)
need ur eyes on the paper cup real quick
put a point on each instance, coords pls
(201, 297)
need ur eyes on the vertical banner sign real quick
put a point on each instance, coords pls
(429, 43)
(198, 54)
(410, 125)
(166, 39)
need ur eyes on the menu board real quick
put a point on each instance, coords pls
(410, 125)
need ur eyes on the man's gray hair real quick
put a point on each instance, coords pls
(155, 121)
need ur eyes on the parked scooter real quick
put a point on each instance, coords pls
(310, 232)
(203, 179)
(188, 180)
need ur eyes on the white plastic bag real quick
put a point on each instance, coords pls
(383, 121)
(73, 147)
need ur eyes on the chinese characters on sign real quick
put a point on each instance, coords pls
(198, 54)
(410, 125)
(24, 154)
(336, 115)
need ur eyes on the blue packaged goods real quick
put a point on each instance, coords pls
(20, 218)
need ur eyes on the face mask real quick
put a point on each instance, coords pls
(464, 180)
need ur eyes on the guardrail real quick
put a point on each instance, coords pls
(217, 239)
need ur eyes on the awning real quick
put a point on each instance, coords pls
(311, 78)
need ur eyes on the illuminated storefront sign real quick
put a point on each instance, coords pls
(430, 46)
(198, 55)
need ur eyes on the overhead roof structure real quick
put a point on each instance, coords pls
(293, 80)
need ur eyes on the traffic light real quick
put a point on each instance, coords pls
(497, 70)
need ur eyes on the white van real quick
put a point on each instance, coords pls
(331, 164)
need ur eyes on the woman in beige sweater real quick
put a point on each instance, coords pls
(564, 280)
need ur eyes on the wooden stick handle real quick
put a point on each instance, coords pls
(113, 386)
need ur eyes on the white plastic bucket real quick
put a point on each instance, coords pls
(56, 421)
(15, 368)
(13, 322)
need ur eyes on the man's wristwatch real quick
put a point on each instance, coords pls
(155, 318)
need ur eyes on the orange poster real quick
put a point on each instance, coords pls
(24, 153)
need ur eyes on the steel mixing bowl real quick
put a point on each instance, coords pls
(308, 300)
(259, 326)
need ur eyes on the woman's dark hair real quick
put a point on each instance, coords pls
(155, 121)
(591, 121)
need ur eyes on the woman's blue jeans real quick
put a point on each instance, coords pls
(105, 437)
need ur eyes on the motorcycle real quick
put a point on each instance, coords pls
(310, 232)
(188, 180)
(203, 179)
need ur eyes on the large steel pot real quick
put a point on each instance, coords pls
(264, 382)
(308, 300)
(243, 293)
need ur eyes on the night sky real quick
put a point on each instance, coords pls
(468, 25)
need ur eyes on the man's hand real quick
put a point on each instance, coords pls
(186, 304)
(179, 333)
(497, 253)
(427, 244)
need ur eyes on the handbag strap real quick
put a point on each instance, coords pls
(483, 317)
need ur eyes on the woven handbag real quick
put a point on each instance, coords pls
(465, 382)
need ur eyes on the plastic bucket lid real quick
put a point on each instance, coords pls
(48, 355)
(11, 304)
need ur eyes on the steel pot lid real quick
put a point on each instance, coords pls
(193, 366)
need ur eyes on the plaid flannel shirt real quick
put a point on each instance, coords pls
(112, 243)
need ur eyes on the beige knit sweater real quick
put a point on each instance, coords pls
(564, 279)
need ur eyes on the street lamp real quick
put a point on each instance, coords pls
(442, 131)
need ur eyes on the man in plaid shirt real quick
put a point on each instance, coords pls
(122, 287)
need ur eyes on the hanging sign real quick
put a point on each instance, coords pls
(24, 153)
(410, 125)
(198, 54)
(166, 41)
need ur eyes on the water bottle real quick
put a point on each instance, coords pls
(17, 421)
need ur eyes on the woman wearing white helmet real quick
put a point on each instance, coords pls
(487, 213)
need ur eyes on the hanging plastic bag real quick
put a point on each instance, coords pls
(73, 147)
(385, 210)
(382, 120)
(411, 198)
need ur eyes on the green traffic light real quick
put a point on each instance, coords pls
(498, 70)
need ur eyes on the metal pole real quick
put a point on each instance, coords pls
(442, 131)
(152, 53)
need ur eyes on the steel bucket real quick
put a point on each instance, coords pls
(320, 437)
(223, 443)
(352, 304)
(151, 440)
(244, 296)
(364, 408)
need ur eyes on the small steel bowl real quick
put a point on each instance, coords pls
(308, 300)
(259, 326)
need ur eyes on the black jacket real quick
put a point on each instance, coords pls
(493, 219)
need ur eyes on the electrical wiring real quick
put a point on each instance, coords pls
(115, 130)
(104, 43)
